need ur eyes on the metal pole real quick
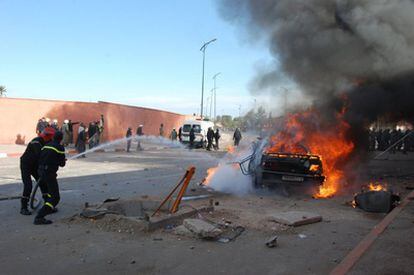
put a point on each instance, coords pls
(215, 95)
(203, 49)
(211, 101)
(202, 80)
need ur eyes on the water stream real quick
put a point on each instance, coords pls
(151, 139)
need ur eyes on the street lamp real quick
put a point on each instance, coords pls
(215, 95)
(203, 49)
(211, 101)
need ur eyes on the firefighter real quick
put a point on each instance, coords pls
(29, 162)
(51, 157)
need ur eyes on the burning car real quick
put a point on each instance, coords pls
(289, 169)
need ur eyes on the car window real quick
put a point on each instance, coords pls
(186, 128)
(197, 128)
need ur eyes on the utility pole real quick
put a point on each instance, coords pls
(215, 95)
(211, 100)
(203, 49)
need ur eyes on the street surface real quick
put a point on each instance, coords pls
(66, 247)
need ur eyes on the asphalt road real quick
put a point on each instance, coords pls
(66, 248)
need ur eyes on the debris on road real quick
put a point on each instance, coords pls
(295, 218)
(202, 229)
(377, 201)
(272, 242)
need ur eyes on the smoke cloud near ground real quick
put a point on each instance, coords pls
(357, 54)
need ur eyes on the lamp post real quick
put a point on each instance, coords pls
(211, 101)
(215, 95)
(203, 49)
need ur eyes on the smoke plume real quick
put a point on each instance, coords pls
(356, 51)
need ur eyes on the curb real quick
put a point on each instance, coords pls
(10, 155)
(71, 151)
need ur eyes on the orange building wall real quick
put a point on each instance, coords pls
(19, 117)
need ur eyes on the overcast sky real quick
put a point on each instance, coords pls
(144, 53)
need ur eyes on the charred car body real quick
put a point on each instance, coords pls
(289, 168)
(283, 169)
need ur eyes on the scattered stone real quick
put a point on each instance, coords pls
(157, 239)
(302, 236)
(183, 231)
(192, 247)
(296, 218)
(272, 242)
(202, 228)
(109, 262)
(216, 203)
(133, 262)
(223, 240)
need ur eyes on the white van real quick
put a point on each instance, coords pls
(200, 129)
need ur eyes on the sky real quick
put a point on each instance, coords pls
(135, 52)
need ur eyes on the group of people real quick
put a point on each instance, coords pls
(139, 132)
(91, 134)
(382, 139)
(41, 160)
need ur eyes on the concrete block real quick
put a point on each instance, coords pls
(202, 228)
(183, 231)
(295, 218)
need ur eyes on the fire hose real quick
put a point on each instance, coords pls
(393, 145)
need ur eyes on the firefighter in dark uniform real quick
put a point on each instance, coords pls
(51, 157)
(29, 162)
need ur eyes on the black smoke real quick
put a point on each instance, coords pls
(357, 54)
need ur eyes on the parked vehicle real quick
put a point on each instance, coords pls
(200, 129)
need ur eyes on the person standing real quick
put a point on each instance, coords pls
(51, 158)
(173, 135)
(70, 126)
(29, 163)
(192, 137)
(210, 136)
(140, 132)
(91, 134)
(101, 125)
(180, 134)
(55, 125)
(41, 125)
(162, 130)
(81, 140)
(66, 132)
(237, 137)
(216, 139)
(128, 136)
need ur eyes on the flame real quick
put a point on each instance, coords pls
(376, 187)
(231, 149)
(308, 133)
(210, 173)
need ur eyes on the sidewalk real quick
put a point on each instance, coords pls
(11, 150)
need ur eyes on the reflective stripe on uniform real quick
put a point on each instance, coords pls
(49, 204)
(47, 195)
(54, 149)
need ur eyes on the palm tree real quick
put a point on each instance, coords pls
(2, 91)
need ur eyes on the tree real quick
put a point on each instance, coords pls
(2, 91)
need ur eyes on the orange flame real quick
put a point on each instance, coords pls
(376, 187)
(307, 133)
(210, 173)
(231, 149)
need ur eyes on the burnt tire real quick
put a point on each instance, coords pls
(36, 197)
(258, 178)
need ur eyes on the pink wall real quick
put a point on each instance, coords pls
(20, 116)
